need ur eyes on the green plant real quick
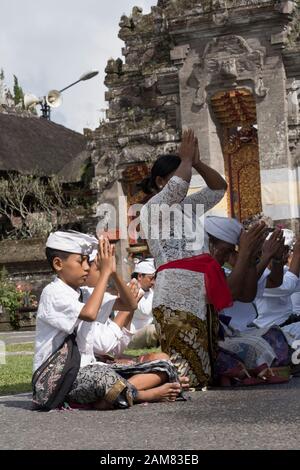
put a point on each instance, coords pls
(10, 298)
(18, 92)
(28, 299)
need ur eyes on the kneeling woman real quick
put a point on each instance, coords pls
(187, 322)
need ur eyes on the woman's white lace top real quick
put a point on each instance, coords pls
(175, 288)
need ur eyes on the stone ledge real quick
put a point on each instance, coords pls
(20, 251)
(27, 320)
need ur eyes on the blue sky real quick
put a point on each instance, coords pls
(49, 44)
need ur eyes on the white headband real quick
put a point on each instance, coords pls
(93, 255)
(289, 237)
(71, 242)
(224, 228)
(145, 267)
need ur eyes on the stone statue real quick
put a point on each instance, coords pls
(293, 95)
(228, 68)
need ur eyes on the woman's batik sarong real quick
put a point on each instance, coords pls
(190, 342)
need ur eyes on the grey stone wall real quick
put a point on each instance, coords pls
(175, 58)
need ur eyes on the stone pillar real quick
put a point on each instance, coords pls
(199, 119)
(278, 177)
(114, 197)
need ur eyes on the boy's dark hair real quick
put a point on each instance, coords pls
(51, 254)
(136, 275)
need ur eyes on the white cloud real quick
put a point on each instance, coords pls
(50, 44)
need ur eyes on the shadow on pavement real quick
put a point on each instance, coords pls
(23, 402)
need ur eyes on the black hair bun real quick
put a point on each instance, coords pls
(146, 186)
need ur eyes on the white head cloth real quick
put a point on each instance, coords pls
(71, 242)
(289, 237)
(94, 252)
(224, 228)
(145, 267)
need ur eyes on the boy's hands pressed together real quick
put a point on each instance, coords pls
(273, 248)
(134, 288)
(106, 264)
(106, 259)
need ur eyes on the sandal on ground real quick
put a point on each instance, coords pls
(269, 377)
(265, 375)
(233, 376)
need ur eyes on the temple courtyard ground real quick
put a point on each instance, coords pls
(264, 417)
(250, 418)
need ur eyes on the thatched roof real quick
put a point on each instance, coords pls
(37, 146)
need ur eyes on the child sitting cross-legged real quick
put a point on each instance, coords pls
(62, 312)
(111, 337)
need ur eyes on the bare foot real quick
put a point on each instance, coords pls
(165, 392)
(154, 357)
(185, 383)
(126, 362)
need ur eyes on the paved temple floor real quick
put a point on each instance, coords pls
(249, 418)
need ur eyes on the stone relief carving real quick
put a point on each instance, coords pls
(228, 68)
(246, 3)
(179, 54)
(144, 89)
(220, 16)
(285, 6)
(293, 96)
(228, 60)
(293, 99)
(260, 89)
(213, 4)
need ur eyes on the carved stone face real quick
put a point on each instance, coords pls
(228, 68)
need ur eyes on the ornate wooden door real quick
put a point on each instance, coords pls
(132, 175)
(235, 111)
(242, 168)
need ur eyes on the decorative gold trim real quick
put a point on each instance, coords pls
(236, 112)
(138, 249)
(234, 108)
(115, 391)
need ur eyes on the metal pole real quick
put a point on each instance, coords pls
(46, 110)
(69, 86)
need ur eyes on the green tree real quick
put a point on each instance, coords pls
(2, 76)
(18, 92)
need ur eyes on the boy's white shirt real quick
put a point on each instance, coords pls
(57, 317)
(108, 337)
(243, 314)
(274, 306)
(143, 314)
(296, 299)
